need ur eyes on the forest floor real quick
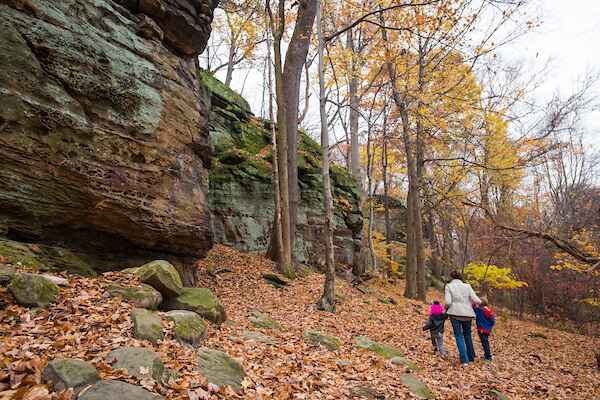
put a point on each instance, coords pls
(531, 361)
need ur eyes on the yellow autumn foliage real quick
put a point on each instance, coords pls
(489, 275)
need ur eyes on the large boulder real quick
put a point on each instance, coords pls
(106, 390)
(202, 301)
(220, 369)
(65, 373)
(188, 326)
(146, 325)
(33, 290)
(162, 276)
(104, 137)
(138, 362)
(144, 296)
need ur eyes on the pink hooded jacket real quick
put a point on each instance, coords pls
(436, 309)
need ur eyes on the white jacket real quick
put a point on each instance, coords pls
(460, 298)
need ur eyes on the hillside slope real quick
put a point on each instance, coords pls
(86, 324)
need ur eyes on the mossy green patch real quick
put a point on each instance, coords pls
(16, 253)
(146, 325)
(162, 276)
(225, 94)
(201, 301)
(330, 342)
(262, 320)
(144, 296)
(387, 352)
(189, 327)
(220, 369)
(33, 290)
(416, 387)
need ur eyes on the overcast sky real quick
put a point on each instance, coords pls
(569, 35)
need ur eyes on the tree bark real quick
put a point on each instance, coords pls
(282, 148)
(327, 300)
(295, 58)
(353, 115)
(419, 150)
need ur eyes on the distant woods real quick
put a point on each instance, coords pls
(415, 100)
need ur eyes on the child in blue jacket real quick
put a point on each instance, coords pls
(485, 320)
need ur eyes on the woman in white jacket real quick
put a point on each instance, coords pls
(460, 298)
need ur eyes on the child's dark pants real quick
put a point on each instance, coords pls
(485, 343)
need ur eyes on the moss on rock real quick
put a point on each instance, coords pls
(189, 327)
(416, 387)
(144, 296)
(146, 325)
(201, 301)
(65, 373)
(33, 290)
(331, 343)
(220, 369)
(385, 351)
(262, 320)
(162, 276)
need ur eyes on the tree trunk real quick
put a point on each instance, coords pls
(276, 232)
(353, 115)
(295, 58)
(327, 300)
(386, 202)
(419, 150)
(285, 253)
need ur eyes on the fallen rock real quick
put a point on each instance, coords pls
(57, 280)
(416, 387)
(276, 280)
(202, 301)
(107, 390)
(366, 392)
(138, 362)
(220, 369)
(331, 343)
(189, 327)
(162, 276)
(144, 296)
(33, 290)
(6, 274)
(146, 325)
(65, 373)
(262, 320)
(385, 351)
(259, 337)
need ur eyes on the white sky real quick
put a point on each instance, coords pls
(569, 36)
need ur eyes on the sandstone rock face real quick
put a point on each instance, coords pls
(103, 130)
(241, 192)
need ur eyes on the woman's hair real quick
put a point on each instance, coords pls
(456, 275)
(484, 301)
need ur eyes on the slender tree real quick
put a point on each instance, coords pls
(327, 300)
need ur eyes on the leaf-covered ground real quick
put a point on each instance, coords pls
(531, 362)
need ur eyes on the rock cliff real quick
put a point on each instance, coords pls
(241, 194)
(103, 134)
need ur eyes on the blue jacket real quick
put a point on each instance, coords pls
(485, 319)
